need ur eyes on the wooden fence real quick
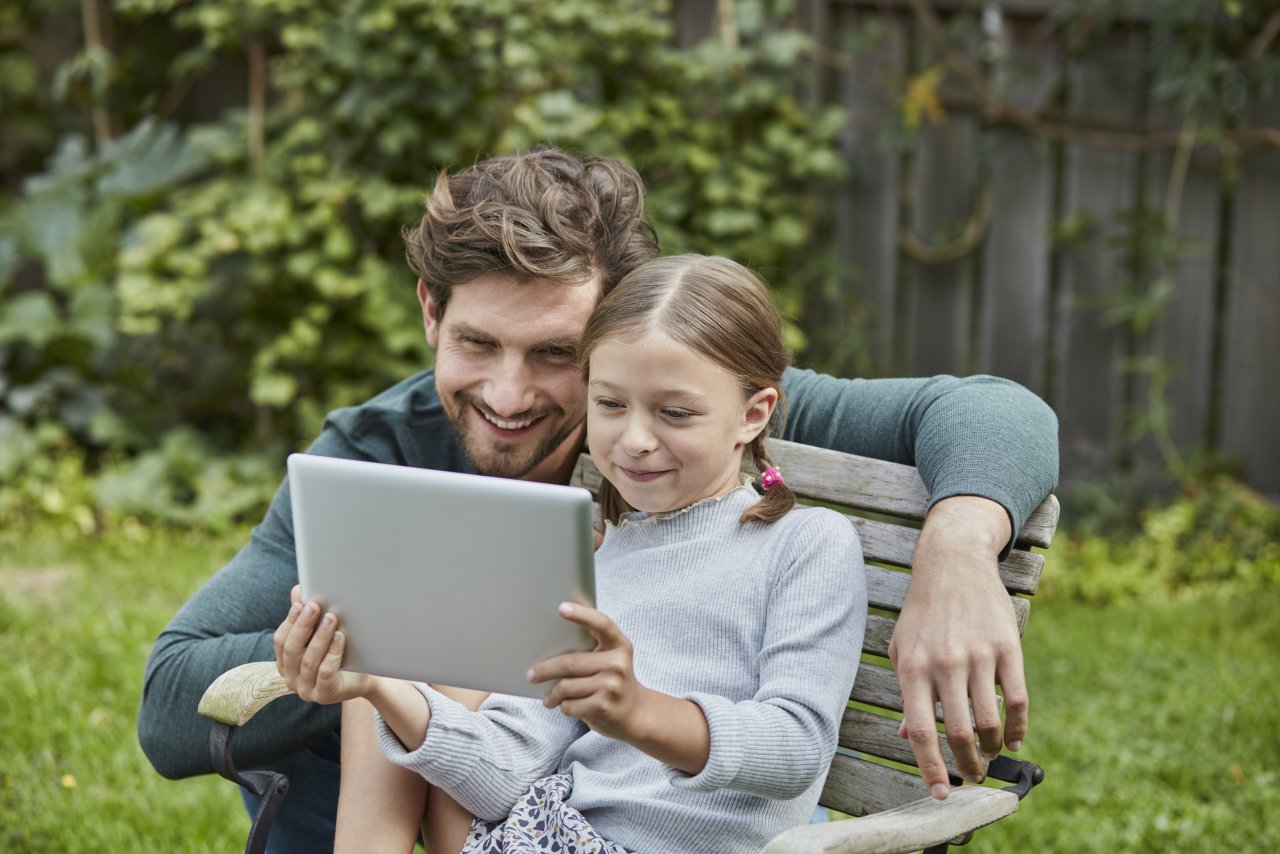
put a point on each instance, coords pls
(994, 244)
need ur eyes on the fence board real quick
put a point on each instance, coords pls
(1098, 183)
(867, 213)
(1015, 260)
(1250, 404)
(943, 196)
(1183, 338)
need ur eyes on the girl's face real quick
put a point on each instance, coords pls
(665, 424)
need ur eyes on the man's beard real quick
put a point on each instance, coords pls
(501, 458)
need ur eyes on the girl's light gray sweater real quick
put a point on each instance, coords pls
(759, 624)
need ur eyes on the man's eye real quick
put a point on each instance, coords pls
(560, 353)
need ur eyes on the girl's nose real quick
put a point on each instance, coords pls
(637, 438)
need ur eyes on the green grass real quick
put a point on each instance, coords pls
(1156, 721)
(77, 618)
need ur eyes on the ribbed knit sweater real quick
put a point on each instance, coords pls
(759, 624)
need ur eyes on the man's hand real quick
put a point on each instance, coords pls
(956, 638)
(309, 651)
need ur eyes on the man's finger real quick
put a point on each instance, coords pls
(919, 728)
(986, 714)
(960, 734)
(1016, 701)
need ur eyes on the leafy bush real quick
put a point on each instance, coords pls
(241, 276)
(1215, 533)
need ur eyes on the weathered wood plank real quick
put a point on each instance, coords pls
(1098, 184)
(1183, 335)
(1250, 414)
(879, 634)
(237, 695)
(858, 787)
(877, 486)
(943, 198)
(911, 827)
(865, 732)
(866, 218)
(1015, 307)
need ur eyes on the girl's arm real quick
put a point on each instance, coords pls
(780, 741)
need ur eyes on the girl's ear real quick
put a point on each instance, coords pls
(756, 417)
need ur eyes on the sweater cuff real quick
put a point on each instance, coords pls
(724, 756)
(447, 716)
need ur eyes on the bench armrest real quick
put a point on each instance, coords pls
(910, 827)
(237, 695)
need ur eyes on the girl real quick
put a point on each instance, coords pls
(706, 715)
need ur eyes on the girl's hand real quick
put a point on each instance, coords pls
(597, 687)
(309, 655)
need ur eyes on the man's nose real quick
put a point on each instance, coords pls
(510, 391)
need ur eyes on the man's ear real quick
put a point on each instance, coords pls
(756, 416)
(430, 315)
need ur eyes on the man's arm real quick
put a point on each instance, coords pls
(228, 622)
(987, 450)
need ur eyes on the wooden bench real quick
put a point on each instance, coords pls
(871, 775)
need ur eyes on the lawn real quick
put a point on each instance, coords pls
(1155, 720)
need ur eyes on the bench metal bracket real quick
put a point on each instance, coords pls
(270, 786)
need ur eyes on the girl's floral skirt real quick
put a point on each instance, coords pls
(540, 821)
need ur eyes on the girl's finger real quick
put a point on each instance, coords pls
(604, 630)
(565, 666)
(568, 690)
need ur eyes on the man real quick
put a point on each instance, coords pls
(512, 256)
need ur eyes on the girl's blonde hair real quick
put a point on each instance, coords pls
(715, 307)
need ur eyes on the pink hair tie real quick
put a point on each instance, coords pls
(771, 476)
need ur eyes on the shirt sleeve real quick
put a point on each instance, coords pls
(781, 740)
(227, 622)
(979, 435)
(485, 759)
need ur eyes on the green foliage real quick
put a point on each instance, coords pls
(182, 275)
(1214, 534)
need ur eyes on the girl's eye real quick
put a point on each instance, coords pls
(677, 414)
(605, 403)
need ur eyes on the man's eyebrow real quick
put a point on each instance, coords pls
(465, 330)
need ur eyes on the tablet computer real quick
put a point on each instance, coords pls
(439, 576)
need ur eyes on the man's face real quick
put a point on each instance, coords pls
(507, 372)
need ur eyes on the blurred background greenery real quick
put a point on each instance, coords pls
(200, 213)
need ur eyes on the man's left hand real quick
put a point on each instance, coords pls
(957, 637)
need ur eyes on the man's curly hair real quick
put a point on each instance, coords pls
(538, 214)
